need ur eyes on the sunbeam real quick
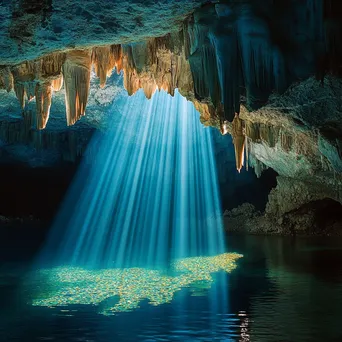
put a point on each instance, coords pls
(151, 194)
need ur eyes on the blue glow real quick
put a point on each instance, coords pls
(151, 193)
(64, 286)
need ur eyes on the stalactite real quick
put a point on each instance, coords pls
(30, 90)
(57, 83)
(259, 132)
(19, 90)
(286, 141)
(23, 76)
(51, 65)
(205, 74)
(262, 63)
(24, 72)
(149, 89)
(252, 131)
(131, 81)
(139, 54)
(153, 65)
(43, 103)
(69, 144)
(239, 139)
(105, 59)
(247, 153)
(259, 167)
(116, 51)
(269, 134)
(229, 71)
(76, 73)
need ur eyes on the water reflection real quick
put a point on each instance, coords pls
(283, 289)
(63, 286)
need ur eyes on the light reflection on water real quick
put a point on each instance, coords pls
(282, 290)
(63, 286)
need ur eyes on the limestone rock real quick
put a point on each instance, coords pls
(76, 74)
(43, 103)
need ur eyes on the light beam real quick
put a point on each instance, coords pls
(151, 194)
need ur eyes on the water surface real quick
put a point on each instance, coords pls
(283, 289)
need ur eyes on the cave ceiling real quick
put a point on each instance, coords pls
(267, 72)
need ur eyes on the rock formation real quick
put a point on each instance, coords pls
(43, 103)
(76, 75)
(291, 136)
(294, 208)
(239, 141)
(238, 62)
(105, 59)
(223, 52)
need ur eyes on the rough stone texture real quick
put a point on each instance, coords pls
(226, 49)
(294, 208)
(288, 136)
(292, 136)
(214, 55)
(291, 194)
(21, 141)
(30, 29)
(238, 219)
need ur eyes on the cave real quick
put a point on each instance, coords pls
(314, 217)
(171, 170)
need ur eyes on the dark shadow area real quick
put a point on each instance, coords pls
(26, 16)
(30, 199)
(316, 217)
(33, 192)
(238, 188)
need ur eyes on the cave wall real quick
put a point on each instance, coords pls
(219, 56)
(236, 187)
(247, 67)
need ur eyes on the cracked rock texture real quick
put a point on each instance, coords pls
(30, 29)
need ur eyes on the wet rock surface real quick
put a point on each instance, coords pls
(294, 208)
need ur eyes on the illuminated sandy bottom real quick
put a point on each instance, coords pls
(64, 286)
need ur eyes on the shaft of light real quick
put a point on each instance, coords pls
(151, 194)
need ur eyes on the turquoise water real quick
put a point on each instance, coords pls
(282, 289)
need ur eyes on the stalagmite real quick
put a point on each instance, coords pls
(239, 138)
(43, 103)
(76, 73)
